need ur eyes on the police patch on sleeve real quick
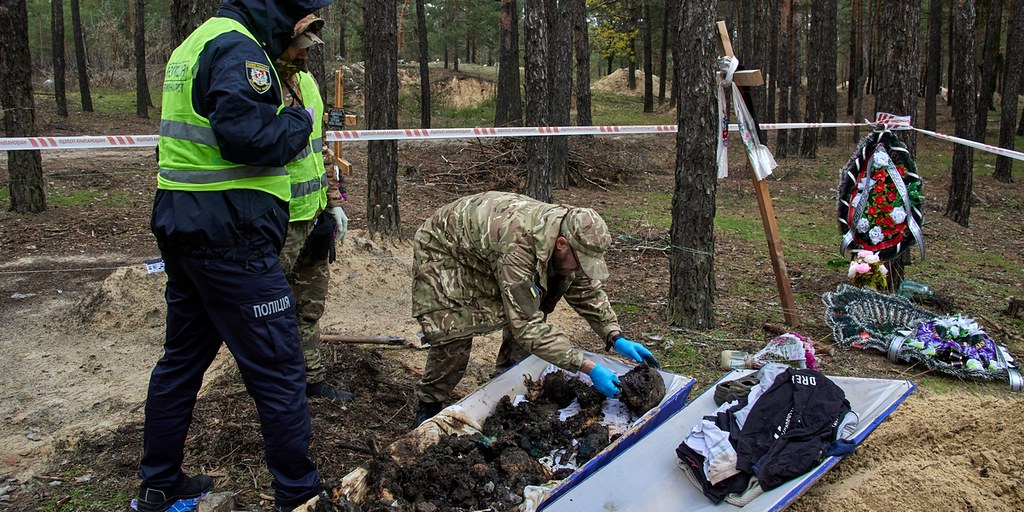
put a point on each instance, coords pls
(258, 75)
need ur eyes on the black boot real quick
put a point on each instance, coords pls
(425, 411)
(152, 499)
(324, 390)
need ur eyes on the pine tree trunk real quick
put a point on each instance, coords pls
(1011, 88)
(799, 19)
(509, 103)
(949, 63)
(25, 168)
(80, 60)
(342, 22)
(829, 61)
(812, 112)
(317, 67)
(785, 73)
(59, 66)
(692, 263)
(958, 207)
(993, 29)
(380, 43)
(663, 62)
(756, 56)
(559, 87)
(187, 15)
(772, 23)
(581, 42)
(538, 169)
(898, 84)
(142, 101)
(421, 30)
(933, 77)
(645, 27)
(854, 49)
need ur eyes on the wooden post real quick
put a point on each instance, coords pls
(349, 120)
(339, 96)
(748, 78)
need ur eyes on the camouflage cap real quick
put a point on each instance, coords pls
(304, 34)
(589, 238)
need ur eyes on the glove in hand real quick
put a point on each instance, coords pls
(342, 220)
(635, 351)
(605, 381)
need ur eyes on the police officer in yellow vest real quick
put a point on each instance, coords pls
(316, 213)
(220, 216)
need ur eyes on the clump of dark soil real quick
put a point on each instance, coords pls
(642, 389)
(490, 470)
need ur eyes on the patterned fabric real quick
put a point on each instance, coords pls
(482, 263)
(864, 318)
(309, 278)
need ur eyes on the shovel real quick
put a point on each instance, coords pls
(378, 340)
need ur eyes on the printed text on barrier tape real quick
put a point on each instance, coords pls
(144, 141)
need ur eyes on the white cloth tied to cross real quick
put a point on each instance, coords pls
(761, 159)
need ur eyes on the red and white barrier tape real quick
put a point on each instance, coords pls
(143, 141)
(121, 141)
(1016, 155)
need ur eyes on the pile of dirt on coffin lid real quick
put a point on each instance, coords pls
(489, 470)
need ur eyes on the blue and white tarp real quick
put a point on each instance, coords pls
(645, 478)
(467, 416)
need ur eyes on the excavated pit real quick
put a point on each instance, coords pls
(490, 470)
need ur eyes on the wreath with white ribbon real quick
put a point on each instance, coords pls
(879, 203)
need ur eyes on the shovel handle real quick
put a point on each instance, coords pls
(380, 340)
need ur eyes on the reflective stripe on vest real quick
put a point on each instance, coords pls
(309, 182)
(190, 157)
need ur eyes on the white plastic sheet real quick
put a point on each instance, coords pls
(645, 477)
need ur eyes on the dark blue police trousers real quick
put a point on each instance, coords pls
(248, 305)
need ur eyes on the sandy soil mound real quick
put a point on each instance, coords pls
(950, 452)
(465, 91)
(618, 83)
(128, 300)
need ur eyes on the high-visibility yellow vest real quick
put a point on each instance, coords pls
(308, 179)
(190, 158)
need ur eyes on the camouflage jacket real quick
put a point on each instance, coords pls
(481, 263)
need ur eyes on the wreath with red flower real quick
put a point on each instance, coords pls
(879, 207)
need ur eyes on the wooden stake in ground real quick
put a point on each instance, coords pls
(747, 78)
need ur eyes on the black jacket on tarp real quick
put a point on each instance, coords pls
(790, 427)
(787, 432)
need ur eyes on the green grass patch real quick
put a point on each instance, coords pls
(90, 497)
(5, 198)
(655, 210)
(617, 109)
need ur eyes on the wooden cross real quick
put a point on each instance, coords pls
(751, 78)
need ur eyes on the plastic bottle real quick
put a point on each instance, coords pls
(737, 359)
(911, 289)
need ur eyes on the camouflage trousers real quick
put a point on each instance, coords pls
(309, 278)
(447, 362)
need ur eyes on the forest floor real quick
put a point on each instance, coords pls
(83, 321)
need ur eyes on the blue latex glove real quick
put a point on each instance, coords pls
(605, 381)
(635, 351)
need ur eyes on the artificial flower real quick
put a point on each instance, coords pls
(875, 234)
(898, 215)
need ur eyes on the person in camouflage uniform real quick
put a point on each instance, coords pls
(316, 200)
(498, 260)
